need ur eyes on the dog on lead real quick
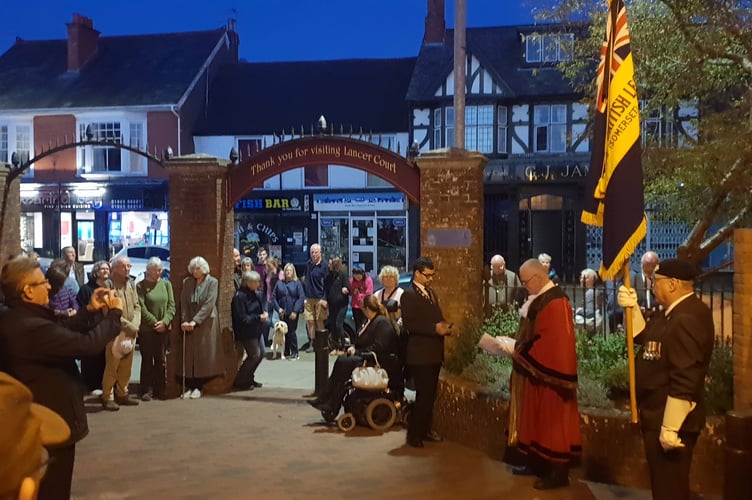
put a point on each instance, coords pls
(278, 339)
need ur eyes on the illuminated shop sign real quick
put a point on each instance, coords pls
(359, 201)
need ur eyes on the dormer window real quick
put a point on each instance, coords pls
(548, 47)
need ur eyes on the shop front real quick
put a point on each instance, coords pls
(97, 219)
(365, 229)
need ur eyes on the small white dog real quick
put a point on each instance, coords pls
(278, 339)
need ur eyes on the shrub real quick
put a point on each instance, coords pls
(593, 393)
(719, 383)
(490, 371)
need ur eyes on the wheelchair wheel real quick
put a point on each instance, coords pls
(381, 414)
(329, 416)
(346, 422)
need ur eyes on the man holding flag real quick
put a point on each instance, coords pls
(677, 347)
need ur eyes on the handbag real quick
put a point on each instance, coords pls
(370, 378)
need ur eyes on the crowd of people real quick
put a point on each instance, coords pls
(52, 319)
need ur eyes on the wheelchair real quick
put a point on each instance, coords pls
(377, 409)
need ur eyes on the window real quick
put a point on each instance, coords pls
(316, 176)
(437, 128)
(136, 140)
(109, 159)
(4, 143)
(550, 133)
(449, 129)
(23, 143)
(501, 145)
(656, 128)
(549, 47)
(479, 128)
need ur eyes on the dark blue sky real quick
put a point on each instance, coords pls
(270, 30)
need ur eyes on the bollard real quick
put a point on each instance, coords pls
(738, 456)
(321, 366)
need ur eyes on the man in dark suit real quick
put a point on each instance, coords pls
(643, 281)
(40, 352)
(426, 328)
(670, 375)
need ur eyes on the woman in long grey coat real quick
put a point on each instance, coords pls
(204, 357)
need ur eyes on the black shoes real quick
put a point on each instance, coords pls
(557, 477)
(256, 385)
(523, 471)
(433, 437)
(126, 400)
(415, 443)
(305, 346)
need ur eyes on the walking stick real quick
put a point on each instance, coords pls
(182, 394)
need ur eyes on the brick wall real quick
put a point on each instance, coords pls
(612, 447)
(451, 202)
(50, 131)
(200, 225)
(10, 217)
(742, 319)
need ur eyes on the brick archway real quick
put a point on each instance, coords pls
(324, 150)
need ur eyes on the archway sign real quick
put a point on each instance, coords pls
(324, 150)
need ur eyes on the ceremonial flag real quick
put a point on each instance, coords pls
(614, 192)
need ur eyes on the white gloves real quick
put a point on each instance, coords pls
(627, 297)
(507, 344)
(673, 418)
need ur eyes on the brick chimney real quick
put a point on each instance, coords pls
(82, 42)
(435, 23)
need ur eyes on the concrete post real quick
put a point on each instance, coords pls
(451, 234)
(202, 225)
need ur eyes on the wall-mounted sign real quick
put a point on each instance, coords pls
(535, 172)
(274, 204)
(358, 201)
(448, 238)
(324, 150)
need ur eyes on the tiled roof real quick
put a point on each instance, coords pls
(501, 51)
(125, 71)
(259, 98)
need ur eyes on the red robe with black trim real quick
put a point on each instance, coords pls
(545, 364)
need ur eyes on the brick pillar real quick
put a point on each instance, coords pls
(10, 213)
(451, 234)
(742, 332)
(201, 225)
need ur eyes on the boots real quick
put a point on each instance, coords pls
(557, 477)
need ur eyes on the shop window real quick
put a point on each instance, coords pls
(4, 143)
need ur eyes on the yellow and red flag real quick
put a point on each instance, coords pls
(614, 191)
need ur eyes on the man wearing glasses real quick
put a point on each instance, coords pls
(41, 353)
(670, 372)
(544, 420)
(426, 328)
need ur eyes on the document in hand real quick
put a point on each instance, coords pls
(492, 345)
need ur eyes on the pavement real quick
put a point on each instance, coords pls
(268, 443)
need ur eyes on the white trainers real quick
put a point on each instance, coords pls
(195, 394)
(96, 392)
(186, 394)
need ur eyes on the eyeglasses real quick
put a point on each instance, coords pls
(655, 280)
(427, 275)
(36, 284)
(531, 278)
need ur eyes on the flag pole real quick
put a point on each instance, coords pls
(628, 327)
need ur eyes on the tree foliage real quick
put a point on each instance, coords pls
(689, 54)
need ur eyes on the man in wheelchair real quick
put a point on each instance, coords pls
(378, 336)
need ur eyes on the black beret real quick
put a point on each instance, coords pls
(677, 268)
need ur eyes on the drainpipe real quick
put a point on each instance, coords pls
(177, 115)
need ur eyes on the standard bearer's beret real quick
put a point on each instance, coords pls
(677, 268)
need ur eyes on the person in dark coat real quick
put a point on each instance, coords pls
(92, 367)
(379, 336)
(248, 318)
(426, 328)
(337, 288)
(288, 300)
(670, 371)
(41, 353)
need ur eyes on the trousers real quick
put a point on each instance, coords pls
(117, 373)
(426, 378)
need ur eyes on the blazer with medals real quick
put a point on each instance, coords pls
(419, 317)
(686, 338)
